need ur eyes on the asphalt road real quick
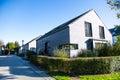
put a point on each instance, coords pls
(14, 68)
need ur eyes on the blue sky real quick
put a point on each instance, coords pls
(27, 19)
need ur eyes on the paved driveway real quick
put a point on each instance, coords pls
(15, 68)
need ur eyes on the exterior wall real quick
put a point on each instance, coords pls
(29, 46)
(25, 48)
(20, 49)
(75, 34)
(54, 40)
(77, 31)
(32, 46)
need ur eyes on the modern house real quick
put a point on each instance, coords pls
(115, 32)
(86, 31)
(31, 45)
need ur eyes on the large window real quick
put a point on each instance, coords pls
(88, 29)
(99, 45)
(69, 46)
(101, 32)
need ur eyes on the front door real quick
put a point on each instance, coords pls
(46, 48)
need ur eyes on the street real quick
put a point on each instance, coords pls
(14, 68)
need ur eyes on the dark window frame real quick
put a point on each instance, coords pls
(88, 29)
(69, 46)
(101, 32)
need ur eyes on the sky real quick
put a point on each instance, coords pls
(27, 19)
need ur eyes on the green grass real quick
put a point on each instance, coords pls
(115, 76)
(59, 76)
(62, 77)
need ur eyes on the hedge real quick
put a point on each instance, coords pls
(79, 66)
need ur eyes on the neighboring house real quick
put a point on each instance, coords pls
(31, 45)
(20, 49)
(115, 32)
(86, 31)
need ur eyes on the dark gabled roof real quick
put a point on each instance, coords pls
(63, 26)
(33, 39)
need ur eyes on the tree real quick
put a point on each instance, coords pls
(115, 5)
(117, 27)
(10, 46)
(118, 39)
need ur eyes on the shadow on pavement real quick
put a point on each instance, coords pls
(15, 67)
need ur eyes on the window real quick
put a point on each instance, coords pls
(88, 29)
(69, 46)
(101, 32)
(32, 49)
(99, 45)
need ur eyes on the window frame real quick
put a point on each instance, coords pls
(101, 32)
(88, 29)
(68, 46)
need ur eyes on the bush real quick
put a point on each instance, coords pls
(115, 64)
(104, 50)
(108, 50)
(61, 53)
(33, 59)
(86, 53)
(80, 66)
(29, 53)
(116, 50)
(21, 54)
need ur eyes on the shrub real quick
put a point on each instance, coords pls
(86, 53)
(115, 64)
(61, 53)
(80, 66)
(105, 50)
(33, 59)
(116, 50)
(109, 50)
(29, 53)
(21, 54)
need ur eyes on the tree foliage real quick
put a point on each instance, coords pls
(115, 5)
(117, 27)
(118, 39)
(10, 46)
(13, 46)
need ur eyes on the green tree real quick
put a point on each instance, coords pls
(117, 27)
(118, 39)
(114, 5)
(10, 46)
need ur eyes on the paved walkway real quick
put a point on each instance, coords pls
(14, 68)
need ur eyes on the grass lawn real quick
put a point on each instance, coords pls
(115, 76)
